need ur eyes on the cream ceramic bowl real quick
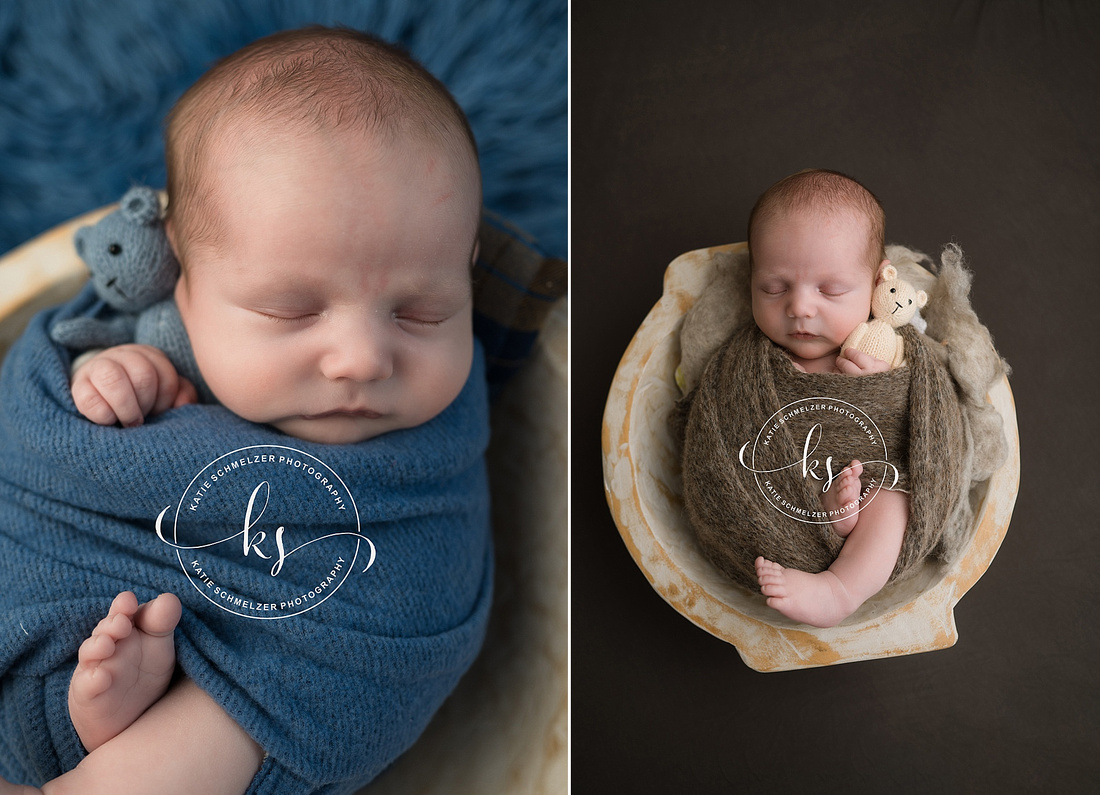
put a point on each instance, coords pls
(643, 487)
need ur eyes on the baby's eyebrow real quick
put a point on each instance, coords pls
(466, 278)
(277, 295)
(443, 288)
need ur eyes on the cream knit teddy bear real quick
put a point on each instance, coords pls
(893, 304)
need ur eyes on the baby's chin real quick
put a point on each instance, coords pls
(813, 358)
(810, 350)
(336, 430)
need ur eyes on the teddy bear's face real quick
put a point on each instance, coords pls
(896, 301)
(128, 254)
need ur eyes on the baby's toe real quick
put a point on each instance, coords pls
(88, 682)
(160, 616)
(115, 626)
(769, 575)
(773, 582)
(125, 603)
(96, 649)
(773, 589)
(776, 602)
(764, 565)
(119, 621)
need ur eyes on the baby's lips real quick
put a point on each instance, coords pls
(364, 413)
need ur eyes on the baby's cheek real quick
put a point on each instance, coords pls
(241, 377)
(446, 378)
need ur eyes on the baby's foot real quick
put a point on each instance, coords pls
(124, 667)
(820, 600)
(842, 499)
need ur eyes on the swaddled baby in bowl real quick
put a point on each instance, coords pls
(816, 248)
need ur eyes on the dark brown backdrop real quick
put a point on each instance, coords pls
(974, 122)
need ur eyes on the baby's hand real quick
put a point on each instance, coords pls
(853, 362)
(127, 383)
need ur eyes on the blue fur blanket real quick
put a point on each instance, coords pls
(85, 84)
(332, 595)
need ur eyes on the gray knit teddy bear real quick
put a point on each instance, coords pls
(132, 267)
(134, 271)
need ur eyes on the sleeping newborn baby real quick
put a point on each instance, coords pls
(816, 250)
(819, 519)
(324, 205)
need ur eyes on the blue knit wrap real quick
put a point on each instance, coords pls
(384, 605)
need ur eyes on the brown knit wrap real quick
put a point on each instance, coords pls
(914, 410)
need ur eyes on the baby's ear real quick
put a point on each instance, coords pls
(922, 298)
(170, 233)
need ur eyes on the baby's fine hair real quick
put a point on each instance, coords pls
(823, 191)
(304, 80)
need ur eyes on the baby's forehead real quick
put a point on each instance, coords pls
(284, 153)
(301, 277)
(836, 225)
(810, 269)
(827, 263)
(262, 141)
(846, 217)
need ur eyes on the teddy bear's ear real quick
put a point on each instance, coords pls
(888, 272)
(79, 238)
(922, 298)
(140, 205)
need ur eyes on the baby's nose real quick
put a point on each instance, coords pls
(801, 305)
(361, 354)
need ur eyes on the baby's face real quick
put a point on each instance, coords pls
(811, 285)
(336, 305)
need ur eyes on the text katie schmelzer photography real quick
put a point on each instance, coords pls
(766, 455)
(235, 544)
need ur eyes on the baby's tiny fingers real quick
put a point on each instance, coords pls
(146, 382)
(92, 405)
(118, 387)
(186, 395)
(856, 362)
(167, 388)
(846, 366)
